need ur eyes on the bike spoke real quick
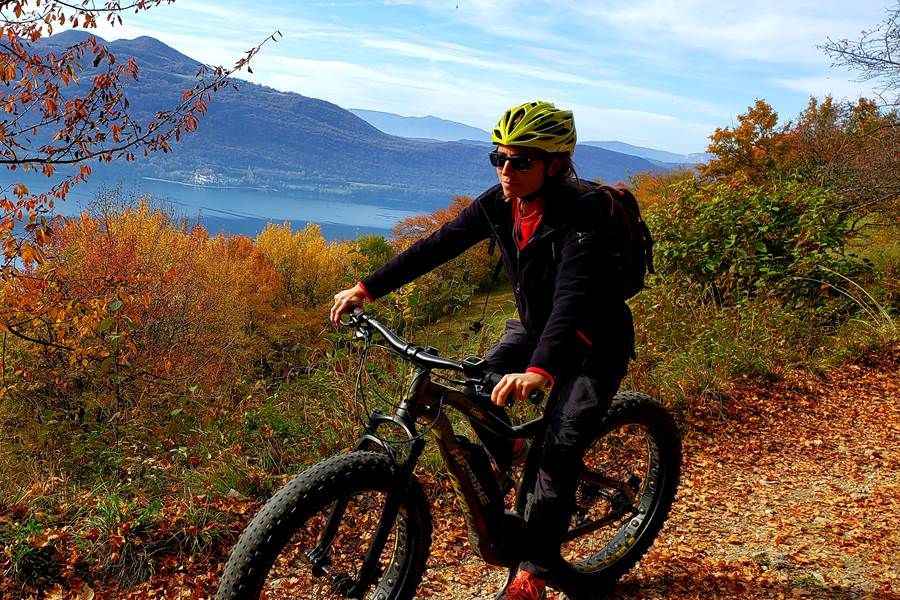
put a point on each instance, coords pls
(610, 495)
(293, 575)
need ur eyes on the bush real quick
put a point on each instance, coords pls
(451, 286)
(693, 351)
(738, 240)
(311, 268)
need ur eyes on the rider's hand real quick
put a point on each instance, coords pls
(345, 301)
(517, 384)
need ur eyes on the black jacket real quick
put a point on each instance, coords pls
(567, 281)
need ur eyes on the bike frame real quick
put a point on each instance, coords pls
(493, 532)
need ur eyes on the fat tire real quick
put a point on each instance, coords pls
(630, 407)
(289, 509)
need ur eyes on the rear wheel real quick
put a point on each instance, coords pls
(624, 495)
(279, 554)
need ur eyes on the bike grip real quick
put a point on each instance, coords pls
(535, 397)
(491, 380)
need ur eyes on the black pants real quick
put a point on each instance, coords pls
(577, 407)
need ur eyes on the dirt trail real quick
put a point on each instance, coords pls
(795, 493)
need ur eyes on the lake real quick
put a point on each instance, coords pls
(243, 211)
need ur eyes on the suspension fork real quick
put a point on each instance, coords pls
(319, 556)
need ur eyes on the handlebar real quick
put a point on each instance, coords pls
(416, 354)
(427, 360)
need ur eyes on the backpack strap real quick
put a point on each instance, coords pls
(477, 325)
(648, 246)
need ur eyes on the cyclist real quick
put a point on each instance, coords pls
(574, 332)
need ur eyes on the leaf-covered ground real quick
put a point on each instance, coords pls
(792, 492)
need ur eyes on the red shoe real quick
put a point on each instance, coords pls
(525, 587)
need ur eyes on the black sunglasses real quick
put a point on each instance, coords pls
(519, 162)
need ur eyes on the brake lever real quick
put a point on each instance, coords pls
(353, 319)
(535, 397)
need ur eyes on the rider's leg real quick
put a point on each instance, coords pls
(510, 355)
(574, 422)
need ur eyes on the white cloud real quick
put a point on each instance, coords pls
(650, 72)
(838, 87)
(764, 30)
(526, 20)
(402, 90)
(641, 128)
(428, 50)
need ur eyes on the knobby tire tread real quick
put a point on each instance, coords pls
(290, 508)
(634, 407)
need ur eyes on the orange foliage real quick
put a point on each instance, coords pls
(311, 268)
(654, 187)
(850, 148)
(130, 301)
(751, 150)
(49, 122)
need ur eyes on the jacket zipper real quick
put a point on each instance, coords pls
(531, 241)
(518, 289)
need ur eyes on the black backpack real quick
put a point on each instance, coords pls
(633, 242)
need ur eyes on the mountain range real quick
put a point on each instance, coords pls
(428, 128)
(261, 137)
(661, 157)
(432, 128)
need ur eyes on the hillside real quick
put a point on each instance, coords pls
(431, 128)
(259, 136)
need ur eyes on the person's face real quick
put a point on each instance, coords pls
(516, 182)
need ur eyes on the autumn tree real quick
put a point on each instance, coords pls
(153, 306)
(750, 150)
(311, 267)
(876, 57)
(64, 110)
(852, 148)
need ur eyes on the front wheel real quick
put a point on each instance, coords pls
(623, 497)
(281, 553)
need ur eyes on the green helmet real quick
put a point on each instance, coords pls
(536, 125)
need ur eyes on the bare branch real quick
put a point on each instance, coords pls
(875, 56)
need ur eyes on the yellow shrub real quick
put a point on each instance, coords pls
(311, 268)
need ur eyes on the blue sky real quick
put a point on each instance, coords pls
(658, 73)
